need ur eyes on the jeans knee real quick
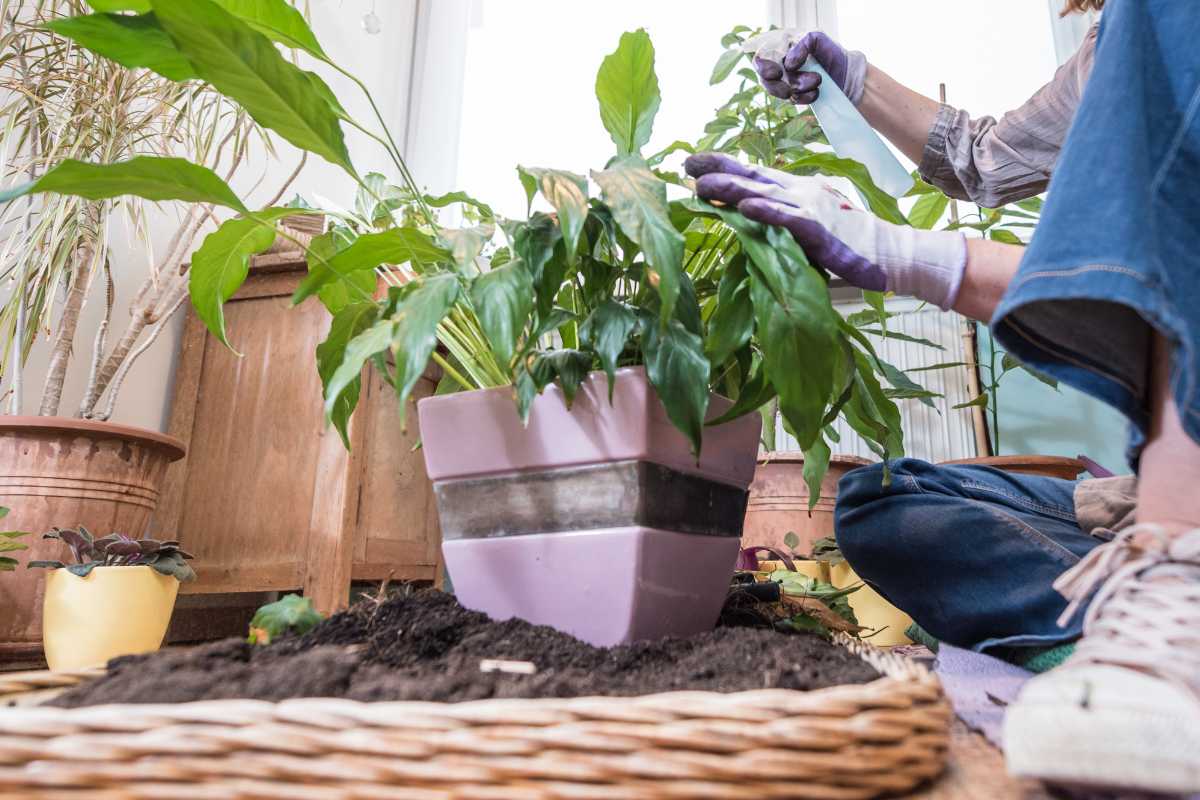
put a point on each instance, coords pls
(867, 512)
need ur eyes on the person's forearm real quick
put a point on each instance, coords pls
(990, 268)
(902, 115)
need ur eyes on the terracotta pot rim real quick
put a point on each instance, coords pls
(174, 448)
(797, 457)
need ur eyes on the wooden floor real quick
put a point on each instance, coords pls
(976, 772)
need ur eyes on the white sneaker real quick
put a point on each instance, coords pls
(1124, 711)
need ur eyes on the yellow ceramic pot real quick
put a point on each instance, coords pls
(871, 610)
(817, 570)
(114, 611)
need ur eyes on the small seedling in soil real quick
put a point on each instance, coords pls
(117, 550)
(289, 614)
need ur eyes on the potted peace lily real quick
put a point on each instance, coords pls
(114, 599)
(637, 337)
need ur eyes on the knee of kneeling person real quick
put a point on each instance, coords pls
(865, 513)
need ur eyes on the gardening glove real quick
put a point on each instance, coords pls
(851, 243)
(779, 58)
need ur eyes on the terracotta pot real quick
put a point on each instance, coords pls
(1046, 466)
(57, 471)
(596, 519)
(779, 501)
(114, 611)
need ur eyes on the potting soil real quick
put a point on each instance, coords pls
(422, 645)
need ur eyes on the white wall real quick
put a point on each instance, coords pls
(383, 62)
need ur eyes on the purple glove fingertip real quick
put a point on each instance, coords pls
(702, 164)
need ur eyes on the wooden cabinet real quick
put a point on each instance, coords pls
(268, 498)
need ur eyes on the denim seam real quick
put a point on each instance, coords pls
(1033, 505)
(916, 484)
(1076, 271)
(1068, 357)
(1035, 537)
(1177, 142)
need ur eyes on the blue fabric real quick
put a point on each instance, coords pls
(1117, 254)
(968, 552)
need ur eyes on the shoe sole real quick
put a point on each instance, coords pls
(1144, 749)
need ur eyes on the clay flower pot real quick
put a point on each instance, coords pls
(70, 472)
(114, 611)
(595, 520)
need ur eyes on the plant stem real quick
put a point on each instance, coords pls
(452, 372)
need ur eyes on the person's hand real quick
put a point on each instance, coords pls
(853, 244)
(784, 76)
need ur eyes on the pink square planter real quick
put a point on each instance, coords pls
(596, 520)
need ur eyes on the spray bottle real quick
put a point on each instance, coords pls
(847, 131)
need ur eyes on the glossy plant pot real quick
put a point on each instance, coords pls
(596, 520)
(114, 611)
(871, 610)
(57, 471)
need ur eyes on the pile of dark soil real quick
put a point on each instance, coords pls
(424, 646)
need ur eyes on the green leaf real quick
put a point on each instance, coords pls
(980, 401)
(903, 337)
(465, 244)
(7, 564)
(732, 323)
(567, 192)
(352, 288)
(908, 388)
(944, 365)
(345, 374)
(569, 367)
(928, 210)
(279, 21)
(880, 202)
(1033, 205)
(534, 242)
(12, 547)
(725, 66)
(627, 89)
(245, 66)
(291, 613)
(220, 265)
(791, 540)
(756, 392)
(816, 464)
(638, 201)
(674, 147)
(139, 6)
(679, 371)
(347, 324)
(393, 246)
(800, 330)
(415, 329)
(606, 331)
(45, 565)
(1007, 237)
(132, 41)
(149, 177)
(503, 301)
(443, 200)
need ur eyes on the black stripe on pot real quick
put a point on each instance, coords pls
(615, 495)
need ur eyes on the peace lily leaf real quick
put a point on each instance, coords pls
(732, 323)
(569, 368)
(220, 265)
(903, 337)
(928, 210)
(140, 6)
(567, 192)
(279, 21)
(905, 384)
(535, 243)
(465, 244)
(802, 329)
(980, 401)
(245, 66)
(443, 200)
(331, 353)
(503, 301)
(415, 330)
(679, 372)
(355, 287)
(627, 89)
(725, 66)
(756, 393)
(816, 464)
(638, 201)
(291, 613)
(393, 246)
(150, 177)
(355, 354)
(606, 331)
(1007, 237)
(871, 413)
(879, 201)
(132, 41)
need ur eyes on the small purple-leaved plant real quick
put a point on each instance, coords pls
(117, 550)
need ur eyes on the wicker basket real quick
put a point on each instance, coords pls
(843, 743)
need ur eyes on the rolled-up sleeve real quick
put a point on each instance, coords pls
(994, 162)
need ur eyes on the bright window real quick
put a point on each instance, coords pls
(531, 68)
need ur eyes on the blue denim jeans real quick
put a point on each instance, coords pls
(968, 552)
(1116, 256)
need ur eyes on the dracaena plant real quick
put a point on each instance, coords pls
(617, 275)
(117, 550)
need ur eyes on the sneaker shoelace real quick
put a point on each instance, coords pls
(1145, 614)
